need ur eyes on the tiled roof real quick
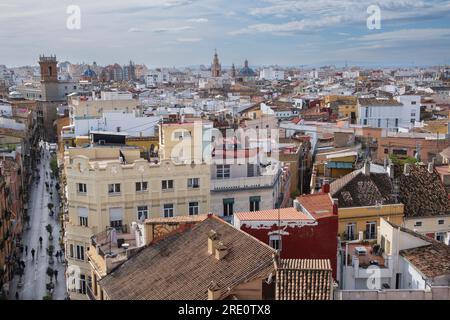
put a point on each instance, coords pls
(317, 204)
(195, 218)
(431, 260)
(358, 190)
(423, 193)
(378, 102)
(304, 279)
(272, 215)
(180, 268)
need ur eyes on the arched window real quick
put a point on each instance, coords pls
(50, 70)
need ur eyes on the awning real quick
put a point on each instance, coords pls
(83, 212)
(115, 214)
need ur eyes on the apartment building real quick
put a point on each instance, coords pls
(110, 187)
(402, 264)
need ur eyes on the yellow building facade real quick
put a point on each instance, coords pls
(112, 187)
(361, 223)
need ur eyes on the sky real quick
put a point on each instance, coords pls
(166, 33)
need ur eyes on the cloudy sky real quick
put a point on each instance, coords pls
(186, 32)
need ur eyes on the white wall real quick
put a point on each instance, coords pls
(128, 122)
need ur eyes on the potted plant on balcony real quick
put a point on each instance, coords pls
(49, 229)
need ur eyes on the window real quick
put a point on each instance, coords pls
(142, 212)
(228, 207)
(167, 184)
(440, 236)
(275, 242)
(116, 224)
(71, 250)
(413, 102)
(371, 230)
(80, 252)
(168, 210)
(114, 188)
(81, 187)
(141, 186)
(365, 122)
(379, 123)
(386, 150)
(115, 218)
(193, 208)
(223, 171)
(350, 231)
(254, 203)
(413, 114)
(367, 111)
(83, 221)
(82, 288)
(396, 122)
(83, 214)
(418, 224)
(441, 221)
(193, 183)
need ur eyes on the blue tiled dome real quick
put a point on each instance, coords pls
(89, 73)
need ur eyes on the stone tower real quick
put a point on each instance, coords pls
(49, 71)
(215, 67)
(233, 71)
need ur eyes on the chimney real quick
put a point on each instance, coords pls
(431, 165)
(326, 186)
(406, 169)
(212, 239)
(335, 207)
(366, 168)
(213, 291)
(221, 250)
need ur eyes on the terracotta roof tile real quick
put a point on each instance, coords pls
(180, 268)
(304, 279)
(423, 193)
(272, 215)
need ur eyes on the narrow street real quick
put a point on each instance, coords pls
(35, 277)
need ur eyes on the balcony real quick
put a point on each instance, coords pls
(266, 181)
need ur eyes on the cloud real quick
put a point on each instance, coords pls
(314, 15)
(198, 20)
(407, 35)
(135, 30)
(189, 39)
(172, 30)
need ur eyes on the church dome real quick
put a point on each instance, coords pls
(89, 73)
(246, 71)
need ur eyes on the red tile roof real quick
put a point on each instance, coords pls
(272, 215)
(319, 204)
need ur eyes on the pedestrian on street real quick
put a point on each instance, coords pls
(17, 295)
(40, 241)
(56, 275)
(32, 253)
(26, 251)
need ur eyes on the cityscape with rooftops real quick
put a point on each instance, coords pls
(207, 166)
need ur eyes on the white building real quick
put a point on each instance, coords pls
(379, 112)
(271, 74)
(401, 260)
(410, 112)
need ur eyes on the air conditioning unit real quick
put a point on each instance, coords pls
(361, 251)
